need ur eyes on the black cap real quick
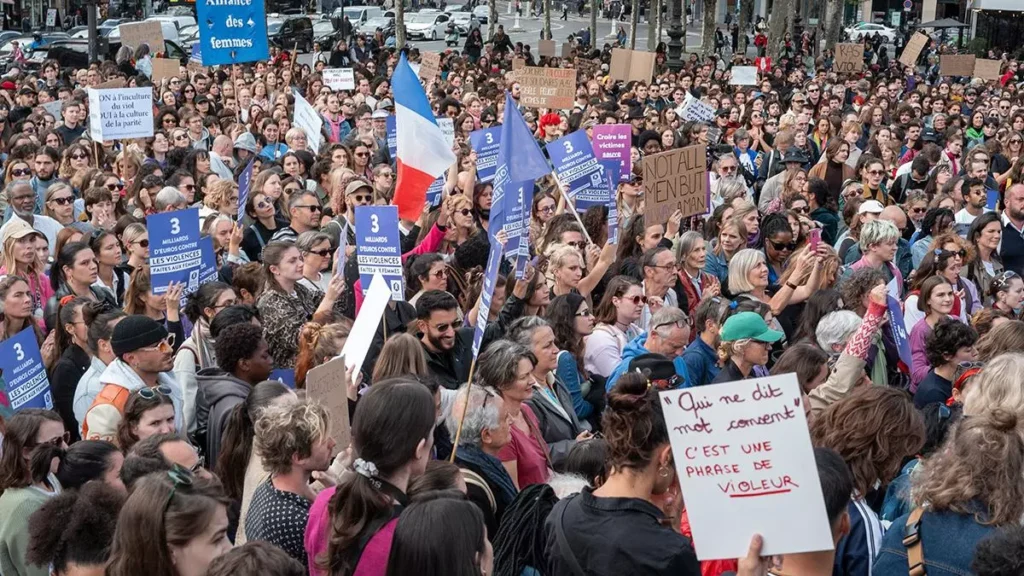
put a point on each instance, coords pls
(135, 332)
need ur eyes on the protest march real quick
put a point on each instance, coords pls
(509, 310)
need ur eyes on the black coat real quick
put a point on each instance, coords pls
(451, 367)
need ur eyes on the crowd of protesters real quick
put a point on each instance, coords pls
(836, 201)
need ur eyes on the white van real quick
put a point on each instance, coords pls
(179, 21)
(358, 15)
(169, 29)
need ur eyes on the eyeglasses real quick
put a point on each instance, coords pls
(321, 253)
(783, 245)
(117, 186)
(546, 209)
(63, 201)
(1016, 141)
(57, 441)
(169, 120)
(152, 393)
(79, 156)
(386, 175)
(444, 327)
(362, 154)
(189, 187)
(669, 266)
(727, 169)
(310, 207)
(21, 172)
(166, 345)
(919, 210)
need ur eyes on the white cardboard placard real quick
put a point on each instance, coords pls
(746, 466)
(120, 113)
(743, 76)
(339, 78)
(367, 321)
(307, 118)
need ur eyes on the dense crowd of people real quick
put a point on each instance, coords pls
(865, 232)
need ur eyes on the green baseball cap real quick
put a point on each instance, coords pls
(749, 325)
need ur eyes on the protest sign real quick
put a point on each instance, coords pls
(744, 459)
(484, 309)
(53, 109)
(379, 249)
(392, 128)
(899, 329)
(986, 69)
(613, 142)
(367, 321)
(763, 63)
(694, 110)
(547, 87)
(341, 254)
(24, 373)
(849, 58)
(566, 50)
(232, 31)
(447, 126)
(51, 17)
(120, 113)
(174, 252)
(676, 180)
(328, 385)
(956, 64)
(518, 200)
(430, 64)
(743, 76)
(546, 48)
(613, 206)
(244, 182)
(578, 170)
(628, 65)
(912, 50)
(311, 122)
(486, 144)
(134, 34)
(165, 68)
(339, 78)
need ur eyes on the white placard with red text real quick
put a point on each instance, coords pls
(746, 466)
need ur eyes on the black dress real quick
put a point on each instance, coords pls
(64, 377)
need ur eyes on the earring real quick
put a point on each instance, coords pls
(664, 471)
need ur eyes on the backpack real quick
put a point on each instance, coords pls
(112, 394)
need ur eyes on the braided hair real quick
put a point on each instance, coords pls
(520, 541)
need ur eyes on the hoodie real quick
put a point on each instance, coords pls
(219, 393)
(107, 410)
(636, 348)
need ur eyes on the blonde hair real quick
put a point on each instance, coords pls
(283, 430)
(739, 266)
(218, 193)
(997, 386)
(557, 254)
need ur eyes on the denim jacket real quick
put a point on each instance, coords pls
(948, 540)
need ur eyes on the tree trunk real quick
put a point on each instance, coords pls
(776, 28)
(595, 6)
(633, 17)
(835, 22)
(651, 27)
(400, 23)
(708, 35)
(492, 16)
(746, 15)
(547, 20)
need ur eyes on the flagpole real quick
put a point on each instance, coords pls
(572, 208)
(465, 408)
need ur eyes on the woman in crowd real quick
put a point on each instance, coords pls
(148, 412)
(70, 349)
(985, 234)
(694, 282)
(74, 273)
(615, 317)
(731, 237)
(425, 272)
(572, 322)
(59, 204)
(744, 344)
(286, 305)
(109, 275)
(1007, 291)
(72, 532)
(263, 214)
(136, 245)
(19, 259)
(625, 525)
(316, 259)
(196, 352)
(140, 299)
(441, 536)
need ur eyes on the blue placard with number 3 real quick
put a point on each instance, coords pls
(174, 253)
(24, 374)
(379, 247)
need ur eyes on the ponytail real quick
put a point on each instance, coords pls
(236, 444)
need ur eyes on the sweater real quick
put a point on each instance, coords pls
(16, 505)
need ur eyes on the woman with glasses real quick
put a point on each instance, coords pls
(259, 208)
(425, 272)
(136, 246)
(572, 322)
(317, 256)
(76, 158)
(164, 309)
(542, 211)
(20, 260)
(16, 170)
(148, 412)
(26, 482)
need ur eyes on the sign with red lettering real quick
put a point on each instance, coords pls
(744, 459)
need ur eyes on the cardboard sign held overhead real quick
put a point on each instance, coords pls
(547, 87)
(566, 50)
(743, 76)
(987, 69)
(165, 68)
(629, 65)
(849, 58)
(676, 180)
(430, 65)
(546, 48)
(958, 65)
(913, 49)
(148, 32)
(328, 385)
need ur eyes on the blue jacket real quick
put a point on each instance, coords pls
(701, 362)
(948, 541)
(717, 267)
(636, 348)
(569, 374)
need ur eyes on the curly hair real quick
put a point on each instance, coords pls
(984, 320)
(236, 343)
(317, 343)
(982, 462)
(949, 335)
(218, 193)
(873, 429)
(74, 527)
(284, 430)
(858, 285)
(633, 423)
(1007, 337)
(1001, 553)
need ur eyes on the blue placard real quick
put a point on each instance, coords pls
(899, 330)
(518, 199)
(244, 181)
(197, 53)
(435, 189)
(993, 198)
(486, 143)
(174, 252)
(207, 273)
(232, 31)
(392, 137)
(285, 376)
(484, 309)
(24, 372)
(582, 176)
(379, 247)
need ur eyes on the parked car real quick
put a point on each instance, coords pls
(357, 15)
(465, 22)
(862, 30)
(325, 33)
(387, 25)
(427, 24)
(74, 52)
(290, 32)
(483, 13)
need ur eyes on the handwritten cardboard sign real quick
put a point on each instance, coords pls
(566, 50)
(913, 49)
(147, 32)
(676, 180)
(956, 64)
(165, 68)
(694, 110)
(546, 87)
(430, 65)
(744, 460)
(849, 58)
(987, 69)
(546, 48)
(328, 385)
(743, 76)
(629, 65)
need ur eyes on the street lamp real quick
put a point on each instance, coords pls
(675, 34)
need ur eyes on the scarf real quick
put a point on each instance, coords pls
(492, 468)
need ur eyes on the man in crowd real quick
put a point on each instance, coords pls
(448, 346)
(304, 210)
(668, 336)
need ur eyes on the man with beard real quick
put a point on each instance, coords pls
(45, 168)
(449, 347)
(21, 200)
(1011, 249)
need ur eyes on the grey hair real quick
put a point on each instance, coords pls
(311, 238)
(730, 188)
(687, 243)
(741, 264)
(481, 413)
(666, 319)
(210, 224)
(498, 365)
(877, 232)
(740, 134)
(836, 328)
(166, 197)
(17, 184)
(521, 331)
(124, 54)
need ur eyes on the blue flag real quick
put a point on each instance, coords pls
(244, 182)
(484, 310)
(232, 33)
(899, 330)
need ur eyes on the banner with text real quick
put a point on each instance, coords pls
(24, 373)
(339, 78)
(547, 87)
(174, 252)
(232, 31)
(613, 142)
(581, 175)
(120, 113)
(849, 58)
(379, 248)
(311, 122)
(676, 180)
(486, 144)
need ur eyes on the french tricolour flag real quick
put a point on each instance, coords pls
(422, 152)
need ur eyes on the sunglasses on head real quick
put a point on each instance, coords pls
(152, 393)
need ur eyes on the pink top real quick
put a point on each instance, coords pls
(39, 286)
(528, 454)
(374, 560)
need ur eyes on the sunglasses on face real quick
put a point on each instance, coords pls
(79, 156)
(362, 198)
(919, 210)
(321, 253)
(443, 328)
(440, 274)
(636, 300)
(310, 207)
(876, 172)
(579, 244)
(465, 211)
(780, 246)
(21, 172)
(57, 441)
(63, 201)
(117, 186)
(144, 242)
(802, 209)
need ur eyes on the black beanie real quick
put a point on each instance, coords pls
(136, 332)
